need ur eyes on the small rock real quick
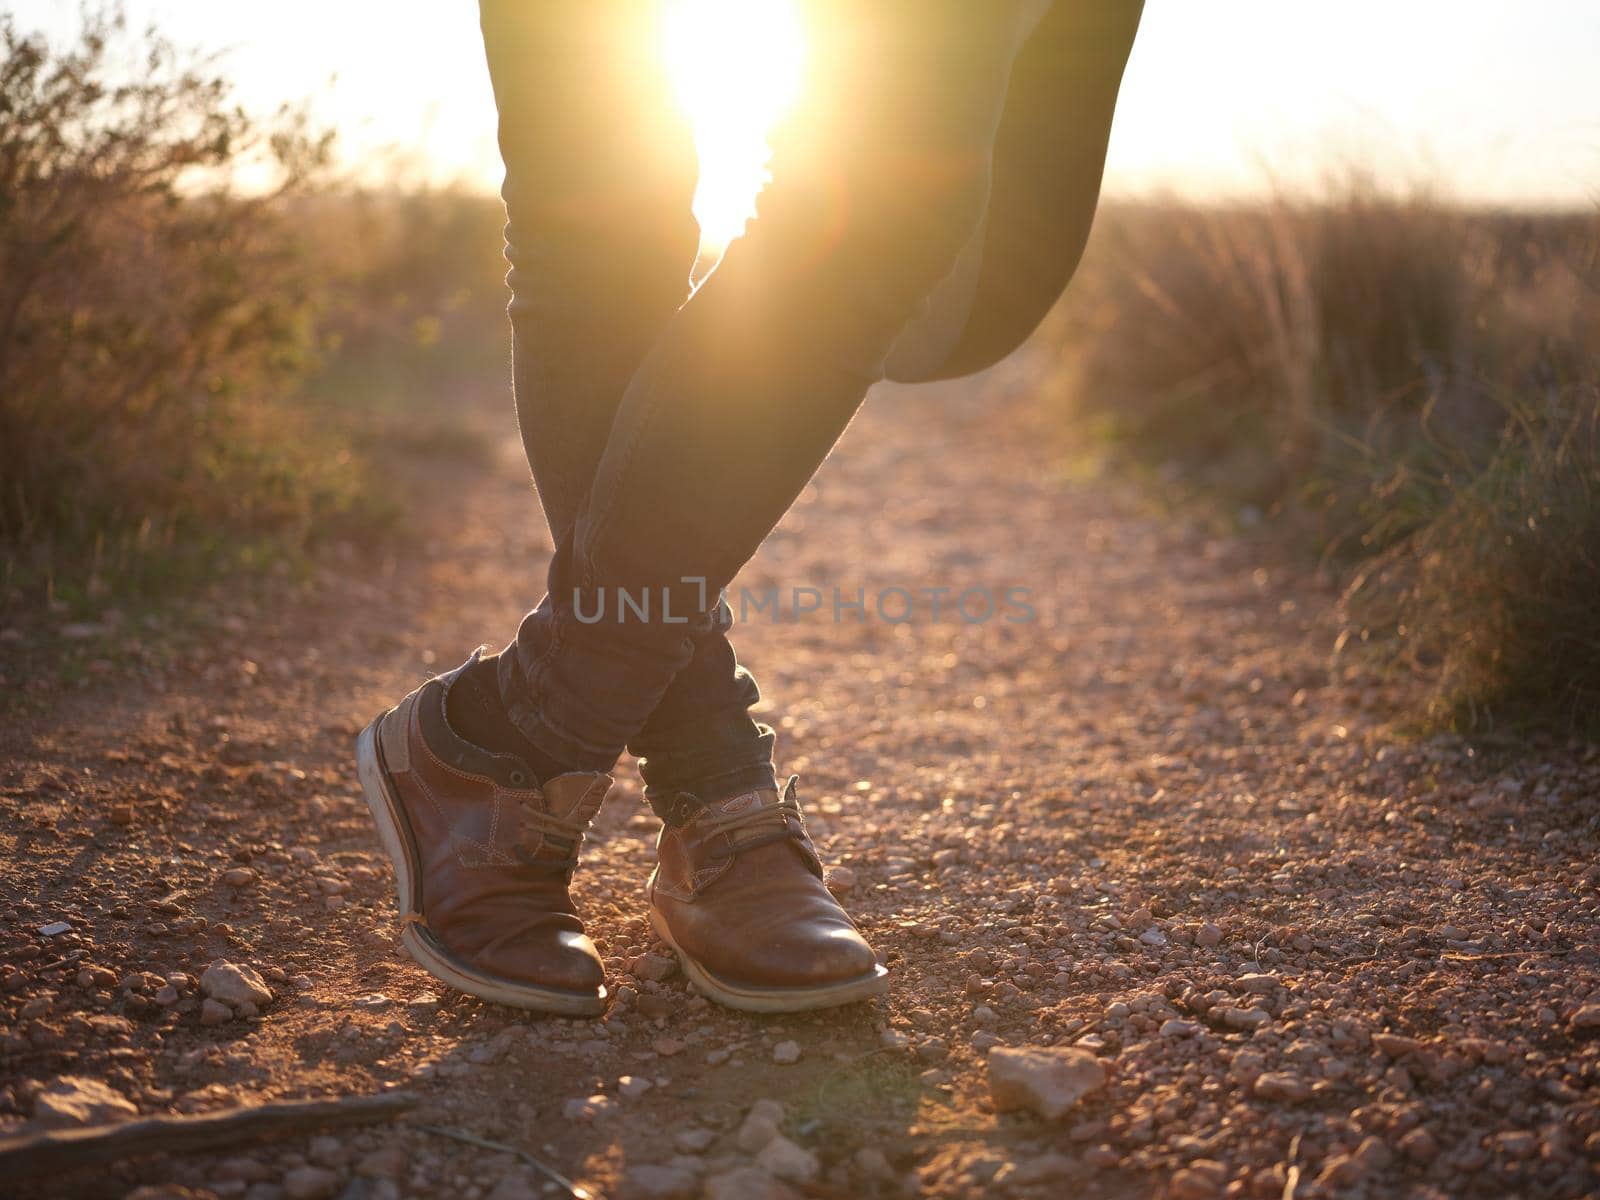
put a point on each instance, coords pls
(389, 1162)
(310, 1183)
(1258, 984)
(235, 984)
(782, 1159)
(649, 1182)
(633, 1085)
(667, 1046)
(214, 1012)
(1208, 935)
(1200, 1180)
(1394, 1045)
(755, 1133)
(693, 1141)
(1176, 1027)
(1587, 1017)
(1282, 1085)
(1245, 1018)
(654, 967)
(73, 1100)
(873, 1163)
(516, 1184)
(772, 1110)
(841, 879)
(747, 1183)
(166, 995)
(1518, 1143)
(1153, 937)
(588, 1109)
(238, 877)
(786, 1053)
(1419, 1146)
(893, 1039)
(1049, 1080)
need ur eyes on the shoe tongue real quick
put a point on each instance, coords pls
(575, 797)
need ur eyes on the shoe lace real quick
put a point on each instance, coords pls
(781, 820)
(559, 834)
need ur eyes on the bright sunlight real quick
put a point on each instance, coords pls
(736, 67)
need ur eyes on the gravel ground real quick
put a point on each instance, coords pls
(1257, 941)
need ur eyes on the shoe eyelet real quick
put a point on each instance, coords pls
(518, 779)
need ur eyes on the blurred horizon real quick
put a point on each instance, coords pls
(1489, 103)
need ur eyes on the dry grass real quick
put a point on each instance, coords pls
(1406, 388)
(197, 376)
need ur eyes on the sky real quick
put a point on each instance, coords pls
(1492, 100)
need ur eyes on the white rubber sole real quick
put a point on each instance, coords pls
(771, 1000)
(429, 953)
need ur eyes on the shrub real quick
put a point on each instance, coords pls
(153, 312)
(1404, 387)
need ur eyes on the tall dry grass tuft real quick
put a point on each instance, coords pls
(151, 311)
(206, 342)
(1407, 387)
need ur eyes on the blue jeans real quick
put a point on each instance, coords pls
(926, 210)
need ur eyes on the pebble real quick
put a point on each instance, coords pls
(310, 1183)
(1048, 1080)
(667, 1046)
(1587, 1017)
(588, 1109)
(1176, 1027)
(1245, 1018)
(873, 1163)
(786, 1053)
(693, 1141)
(73, 1100)
(783, 1159)
(1420, 1146)
(648, 1181)
(214, 1012)
(755, 1133)
(1259, 984)
(388, 1162)
(1394, 1045)
(632, 1086)
(1208, 935)
(841, 879)
(238, 877)
(235, 984)
(747, 1183)
(1282, 1085)
(653, 967)
(1200, 1180)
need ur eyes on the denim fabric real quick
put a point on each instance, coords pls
(926, 208)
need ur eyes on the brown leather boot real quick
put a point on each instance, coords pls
(738, 893)
(482, 858)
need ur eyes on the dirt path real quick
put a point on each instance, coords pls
(1315, 959)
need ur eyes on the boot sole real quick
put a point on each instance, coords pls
(394, 830)
(771, 1000)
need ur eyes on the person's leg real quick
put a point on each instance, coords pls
(1048, 160)
(879, 183)
(600, 175)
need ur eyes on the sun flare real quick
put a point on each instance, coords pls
(736, 67)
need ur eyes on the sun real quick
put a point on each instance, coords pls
(736, 67)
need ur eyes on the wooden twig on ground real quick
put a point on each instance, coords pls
(574, 1192)
(66, 1149)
